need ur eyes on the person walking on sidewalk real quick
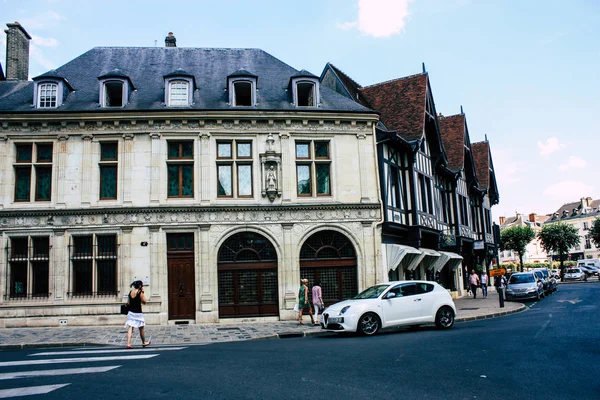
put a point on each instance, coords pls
(303, 302)
(474, 282)
(500, 284)
(135, 317)
(484, 284)
(317, 298)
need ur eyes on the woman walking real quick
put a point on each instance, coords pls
(317, 298)
(135, 318)
(303, 302)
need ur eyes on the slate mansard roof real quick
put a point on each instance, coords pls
(146, 68)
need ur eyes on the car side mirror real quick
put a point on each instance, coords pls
(390, 295)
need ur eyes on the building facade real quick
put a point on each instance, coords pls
(219, 177)
(534, 252)
(581, 215)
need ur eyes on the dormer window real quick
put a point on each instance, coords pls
(47, 95)
(115, 87)
(49, 90)
(305, 89)
(113, 94)
(242, 88)
(178, 93)
(179, 88)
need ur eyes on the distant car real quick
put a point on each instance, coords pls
(575, 274)
(550, 284)
(588, 269)
(556, 273)
(524, 285)
(391, 304)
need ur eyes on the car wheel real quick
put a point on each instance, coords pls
(369, 324)
(444, 319)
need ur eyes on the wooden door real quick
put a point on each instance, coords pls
(182, 293)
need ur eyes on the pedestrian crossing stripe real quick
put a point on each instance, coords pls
(55, 372)
(75, 360)
(104, 351)
(29, 391)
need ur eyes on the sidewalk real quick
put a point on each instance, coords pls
(467, 309)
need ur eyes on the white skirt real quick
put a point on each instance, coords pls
(135, 320)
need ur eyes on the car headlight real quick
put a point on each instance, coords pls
(343, 310)
(509, 290)
(532, 290)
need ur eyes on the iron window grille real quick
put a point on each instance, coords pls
(28, 272)
(94, 266)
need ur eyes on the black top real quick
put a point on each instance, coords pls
(135, 303)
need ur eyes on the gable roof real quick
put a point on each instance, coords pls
(452, 129)
(401, 103)
(481, 152)
(350, 85)
(146, 67)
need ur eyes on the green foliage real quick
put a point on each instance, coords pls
(594, 232)
(516, 238)
(531, 265)
(558, 239)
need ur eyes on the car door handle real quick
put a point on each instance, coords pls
(417, 300)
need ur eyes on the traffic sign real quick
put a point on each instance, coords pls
(497, 271)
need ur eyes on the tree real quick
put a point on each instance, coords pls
(516, 238)
(559, 238)
(594, 232)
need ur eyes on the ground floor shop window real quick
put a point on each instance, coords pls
(29, 259)
(248, 284)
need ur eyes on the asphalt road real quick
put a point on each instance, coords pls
(549, 351)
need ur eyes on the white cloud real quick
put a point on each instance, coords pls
(40, 21)
(379, 18)
(552, 145)
(39, 57)
(566, 191)
(45, 42)
(573, 162)
(508, 169)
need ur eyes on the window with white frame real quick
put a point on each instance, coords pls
(29, 263)
(306, 96)
(242, 93)
(108, 165)
(47, 95)
(234, 168)
(313, 167)
(94, 265)
(179, 93)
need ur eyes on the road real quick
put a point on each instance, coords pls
(549, 351)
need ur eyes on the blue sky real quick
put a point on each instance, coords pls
(527, 73)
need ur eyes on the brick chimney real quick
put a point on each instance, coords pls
(532, 217)
(501, 220)
(170, 40)
(17, 52)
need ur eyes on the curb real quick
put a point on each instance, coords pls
(494, 315)
(48, 345)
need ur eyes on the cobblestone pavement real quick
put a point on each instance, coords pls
(467, 309)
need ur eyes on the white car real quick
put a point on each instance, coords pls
(392, 304)
(575, 274)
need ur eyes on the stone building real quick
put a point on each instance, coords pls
(534, 252)
(219, 177)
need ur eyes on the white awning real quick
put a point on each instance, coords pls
(430, 258)
(453, 260)
(399, 254)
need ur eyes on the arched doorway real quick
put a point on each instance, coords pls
(247, 266)
(330, 258)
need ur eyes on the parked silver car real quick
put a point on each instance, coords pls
(575, 274)
(524, 285)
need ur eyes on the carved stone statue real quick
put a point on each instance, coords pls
(271, 178)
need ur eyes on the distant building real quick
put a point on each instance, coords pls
(581, 214)
(534, 252)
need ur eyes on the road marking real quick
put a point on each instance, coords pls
(55, 372)
(64, 353)
(74, 360)
(29, 391)
(574, 301)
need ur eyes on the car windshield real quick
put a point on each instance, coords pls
(526, 278)
(371, 293)
(572, 271)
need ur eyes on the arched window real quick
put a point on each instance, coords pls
(329, 257)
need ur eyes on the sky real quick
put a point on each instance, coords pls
(527, 73)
